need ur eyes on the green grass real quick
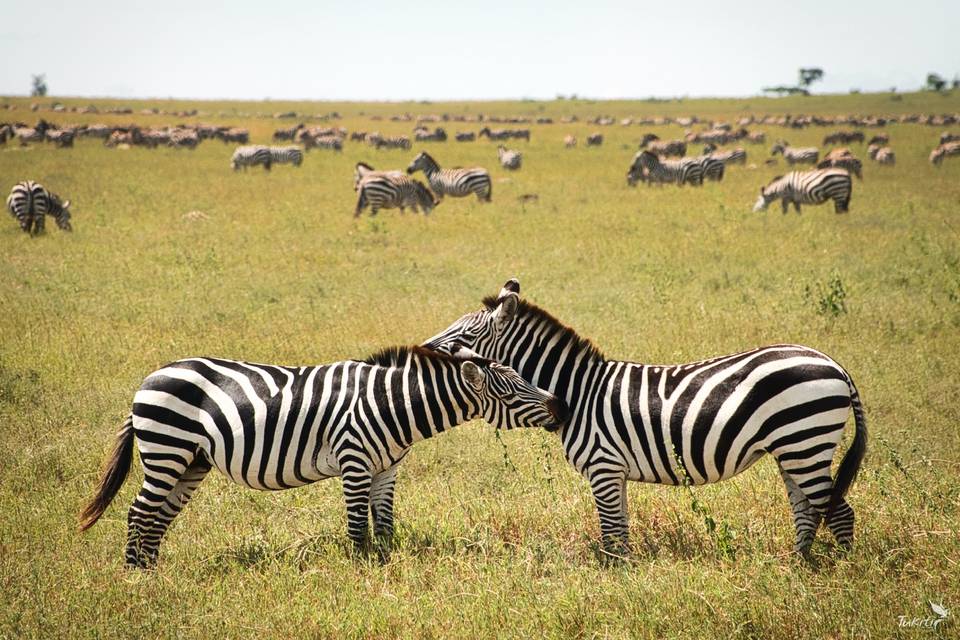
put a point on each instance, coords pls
(493, 541)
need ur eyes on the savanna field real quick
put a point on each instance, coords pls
(496, 536)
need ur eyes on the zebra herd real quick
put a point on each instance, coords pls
(513, 364)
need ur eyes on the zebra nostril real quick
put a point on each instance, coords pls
(559, 409)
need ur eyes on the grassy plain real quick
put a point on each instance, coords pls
(496, 537)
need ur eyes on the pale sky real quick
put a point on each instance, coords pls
(376, 50)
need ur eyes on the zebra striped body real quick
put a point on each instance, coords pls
(456, 183)
(286, 155)
(251, 156)
(389, 142)
(794, 155)
(882, 154)
(844, 137)
(391, 190)
(808, 187)
(945, 150)
(648, 167)
(843, 159)
(726, 156)
(509, 158)
(712, 168)
(681, 424)
(569, 141)
(466, 136)
(323, 142)
(595, 140)
(946, 137)
(271, 427)
(29, 203)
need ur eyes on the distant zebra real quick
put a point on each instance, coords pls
(323, 142)
(234, 134)
(251, 156)
(843, 137)
(713, 168)
(29, 203)
(363, 170)
(184, 138)
(595, 140)
(391, 142)
(60, 137)
(882, 154)
(808, 187)
(726, 156)
(466, 136)
(569, 141)
(881, 139)
(456, 183)
(425, 135)
(509, 158)
(392, 190)
(271, 427)
(494, 134)
(669, 148)
(286, 155)
(844, 159)
(795, 155)
(945, 150)
(946, 137)
(651, 169)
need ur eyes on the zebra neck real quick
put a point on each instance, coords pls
(438, 398)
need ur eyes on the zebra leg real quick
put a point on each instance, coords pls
(381, 503)
(785, 205)
(609, 488)
(796, 205)
(840, 524)
(357, 481)
(176, 501)
(39, 223)
(808, 507)
(361, 204)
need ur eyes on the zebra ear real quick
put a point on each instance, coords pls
(473, 375)
(462, 353)
(511, 286)
(506, 310)
(66, 205)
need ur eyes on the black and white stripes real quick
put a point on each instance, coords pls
(808, 187)
(29, 203)
(456, 183)
(651, 169)
(271, 427)
(389, 190)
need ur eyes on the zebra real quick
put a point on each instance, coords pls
(234, 134)
(423, 134)
(595, 139)
(569, 141)
(882, 154)
(61, 137)
(945, 150)
(284, 155)
(681, 424)
(808, 187)
(272, 427)
(251, 156)
(323, 142)
(456, 183)
(881, 139)
(668, 148)
(843, 137)
(495, 134)
(713, 168)
(946, 137)
(390, 190)
(648, 167)
(29, 203)
(465, 136)
(363, 170)
(726, 156)
(843, 159)
(793, 155)
(389, 142)
(509, 158)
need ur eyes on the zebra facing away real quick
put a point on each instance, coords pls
(456, 183)
(251, 156)
(648, 167)
(509, 158)
(271, 427)
(681, 424)
(391, 190)
(808, 187)
(794, 155)
(30, 203)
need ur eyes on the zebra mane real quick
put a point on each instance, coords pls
(399, 356)
(578, 342)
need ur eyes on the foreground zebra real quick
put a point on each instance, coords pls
(29, 203)
(391, 190)
(270, 427)
(456, 183)
(251, 156)
(509, 158)
(794, 155)
(808, 187)
(682, 424)
(648, 167)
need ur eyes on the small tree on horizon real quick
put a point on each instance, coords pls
(39, 85)
(935, 82)
(809, 76)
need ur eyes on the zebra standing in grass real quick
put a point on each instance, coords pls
(286, 155)
(392, 190)
(681, 424)
(794, 155)
(882, 154)
(271, 427)
(30, 203)
(456, 183)
(713, 168)
(808, 187)
(945, 150)
(726, 156)
(843, 159)
(251, 156)
(509, 158)
(648, 167)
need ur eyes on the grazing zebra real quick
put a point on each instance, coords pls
(648, 167)
(363, 170)
(391, 142)
(595, 140)
(180, 138)
(946, 137)
(323, 142)
(843, 159)
(456, 183)
(425, 135)
(681, 424)
(808, 187)
(945, 150)
(234, 134)
(509, 158)
(495, 134)
(727, 156)
(466, 136)
(844, 137)
(286, 155)
(882, 154)
(569, 141)
(668, 148)
(29, 202)
(713, 168)
(794, 155)
(881, 139)
(287, 134)
(251, 156)
(270, 428)
(61, 137)
(391, 190)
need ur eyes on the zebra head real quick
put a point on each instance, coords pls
(479, 331)
(767, 196)
(508, 401)
(421, 163)
(778, 147)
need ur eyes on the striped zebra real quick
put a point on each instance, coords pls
(569, 141)
(363, 170)
(495, 134)
(726, 156)
(465, 136)
(30, 203)
(946, 137)
(945, 150)
(456, 183)
(669, 148)
(844, 137)
(389, 142)
(251, 156)
(392, 190)
(843, 159)
(881, 154)
(270, 427)
(651, 169)
(794, 155)
(808, 187)
(595, 139)
(509, 158)
(713, 168)
(286, 155)
(681, 424)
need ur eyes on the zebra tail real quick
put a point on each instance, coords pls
(114, 473)
(852, 459)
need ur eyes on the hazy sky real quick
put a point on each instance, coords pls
(370, 50)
